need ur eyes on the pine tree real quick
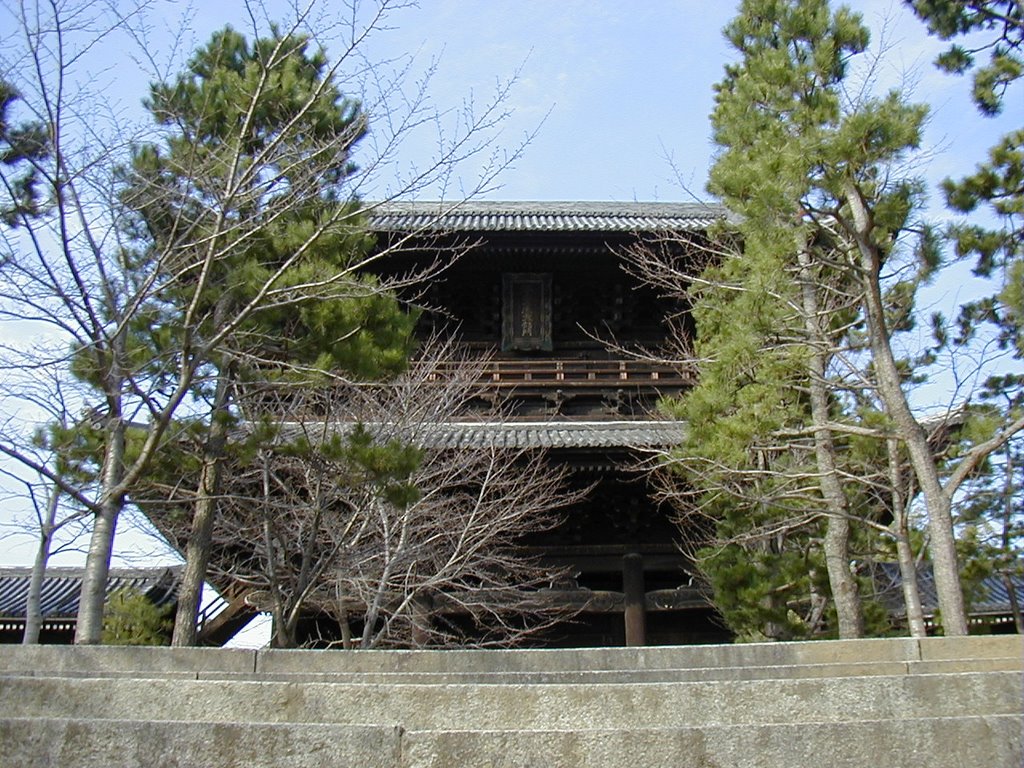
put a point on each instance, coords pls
(992, 198)
(130, 618)
(124, 262)
(22, 146)
(246, 203)
(996, 188)
(766, 376)
(811, 177)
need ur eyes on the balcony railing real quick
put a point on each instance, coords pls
(585, 373)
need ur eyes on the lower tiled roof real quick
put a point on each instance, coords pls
(555, 434)
(529, 434)
(991, 594)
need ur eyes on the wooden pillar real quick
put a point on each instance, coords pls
(633, 587)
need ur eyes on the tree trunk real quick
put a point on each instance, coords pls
(1011, 591)
(843, 583)
(89, 629)
(283, 634)
(346, 627)
(940, 517)
(904, 552)
(1008, 525)
(33, 603)
(908, 580)
(197, 553)
(421, 617)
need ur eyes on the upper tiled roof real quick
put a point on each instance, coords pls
(525, 216)
(62, 588)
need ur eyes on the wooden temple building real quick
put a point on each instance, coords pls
(540, 291)
(542, 288)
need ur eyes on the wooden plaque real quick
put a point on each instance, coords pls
(526, 312)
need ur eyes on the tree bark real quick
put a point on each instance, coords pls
(1008, 520)
(89, 629)
(33, 603)
(197, 553)
(845, 590)
(940, 517)
(904, 552)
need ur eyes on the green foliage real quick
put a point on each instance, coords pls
(130, 618)
(77, 450)
(359, 460)
(764, 582)
(1002, 21)
(789, 150)
(21, 147)
(387, 467)
(249, 187)
(998, 183)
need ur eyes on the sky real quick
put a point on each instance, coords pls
(613, 96)
(608, 101)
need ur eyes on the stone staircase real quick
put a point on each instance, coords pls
(894, 702)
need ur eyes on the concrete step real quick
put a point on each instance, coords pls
(545, 707)
(783, 655)
(757, 661)
(955, 702)
(94, 743)
(992, 741)
(532, 677)
(660, 675)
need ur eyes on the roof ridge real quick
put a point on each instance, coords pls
(580, 207)
(544, 216)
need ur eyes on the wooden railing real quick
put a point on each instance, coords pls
(585, 373)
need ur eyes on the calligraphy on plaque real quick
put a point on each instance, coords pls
(526, 312)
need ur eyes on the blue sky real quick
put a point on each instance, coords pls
(623, 87)
(615, 95)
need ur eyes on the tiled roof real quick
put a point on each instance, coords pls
(523, 216)
(564, 434)
(63, 586)
(528, 434)
(992, 596)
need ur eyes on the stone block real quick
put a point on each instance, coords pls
(994, 742)
(547, 707)
(49, 742)
(978, 647)
(103, 660)
(888, 650)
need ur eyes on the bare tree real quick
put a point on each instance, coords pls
(127, 304)
(373, 509)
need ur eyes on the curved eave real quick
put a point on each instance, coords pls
(525, 435)
(525, 216)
